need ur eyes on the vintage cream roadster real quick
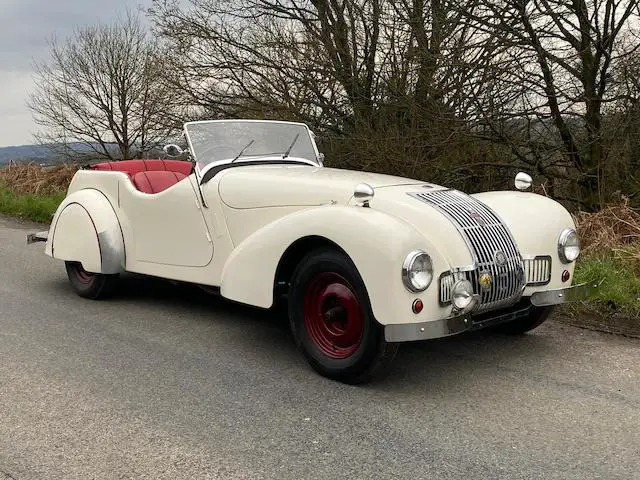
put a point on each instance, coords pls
(362, 261)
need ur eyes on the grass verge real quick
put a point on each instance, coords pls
(32, 192)
(611, 254)
(615, 308)
(29, 206)
(620, 288)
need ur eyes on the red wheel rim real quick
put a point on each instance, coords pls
(333, 316)
(82, 275)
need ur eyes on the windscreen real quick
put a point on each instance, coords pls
(215, 141)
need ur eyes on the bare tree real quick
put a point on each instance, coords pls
(557, 62)
(445, 89)
(103, 89)
(623, 120)
(382, 81)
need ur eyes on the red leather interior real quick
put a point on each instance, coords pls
(156, 181)
(134, 166)
(150, 176)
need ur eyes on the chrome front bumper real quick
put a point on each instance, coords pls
(459, 323)
(564, 295)
(406, 332)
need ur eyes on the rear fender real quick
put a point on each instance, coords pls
(377, 244)
(85, 229)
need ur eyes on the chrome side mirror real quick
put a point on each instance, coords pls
(321, 159)
(523, 181)
(172, 150)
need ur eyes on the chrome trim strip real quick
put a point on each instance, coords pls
(112, 257)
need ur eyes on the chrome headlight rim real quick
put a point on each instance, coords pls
(407, 268)
(565, 235)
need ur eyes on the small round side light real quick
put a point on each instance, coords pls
(565, 276)
(417, 306)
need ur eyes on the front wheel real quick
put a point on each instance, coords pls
(332, 322)
(536, 317)
(90, 285)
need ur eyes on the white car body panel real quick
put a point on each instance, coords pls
(163, 242)
(295, 185)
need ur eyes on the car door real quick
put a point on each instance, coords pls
(167, 227)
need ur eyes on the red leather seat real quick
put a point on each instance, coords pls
(131, 167)
(156, 181)
(150, 176)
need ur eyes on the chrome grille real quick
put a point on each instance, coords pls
(447, 280)
(488, 240)
(446, 284)
(537, 270)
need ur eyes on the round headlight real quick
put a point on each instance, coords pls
(568, 245)
(417, 271)
(462, 294)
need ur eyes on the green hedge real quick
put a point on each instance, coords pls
(620, 288)
(39, 208)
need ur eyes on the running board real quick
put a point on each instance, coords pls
(37, 237)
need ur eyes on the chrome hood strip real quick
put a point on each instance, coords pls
(498, 271)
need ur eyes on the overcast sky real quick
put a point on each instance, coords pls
(26, 27)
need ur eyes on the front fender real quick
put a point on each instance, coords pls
(535, 222)
(376, 242)
(85, 229)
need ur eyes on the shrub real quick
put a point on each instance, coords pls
(31, 178)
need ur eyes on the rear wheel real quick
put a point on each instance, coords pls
(537, 317)
(90, 285)
(331, 319)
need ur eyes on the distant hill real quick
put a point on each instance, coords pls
(35, 153)
(24, 152)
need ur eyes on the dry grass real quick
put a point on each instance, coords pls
(614, 230)
(33, 179)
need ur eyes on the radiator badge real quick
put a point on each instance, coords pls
(500, 258)
(486, 281)
(478, 218)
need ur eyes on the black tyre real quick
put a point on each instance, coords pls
(537, 317)
(90, 285)
(332, 322)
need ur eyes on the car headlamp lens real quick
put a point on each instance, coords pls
(417, 271)
(462, 294)
(568, 245)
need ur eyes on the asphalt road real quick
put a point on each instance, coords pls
(163, 382)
